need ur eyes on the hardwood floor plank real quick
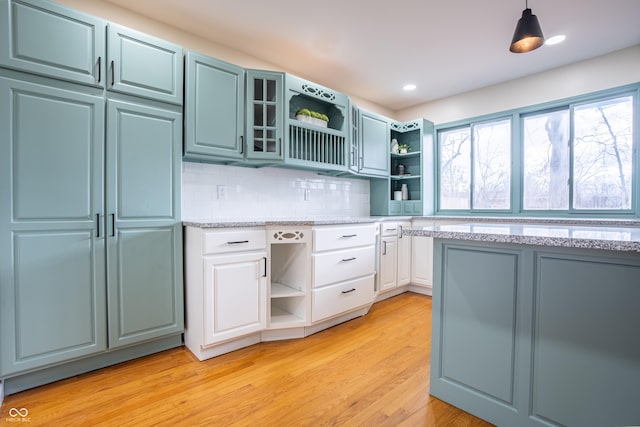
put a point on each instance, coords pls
(371, 371)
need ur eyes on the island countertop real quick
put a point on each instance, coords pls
(625, 239)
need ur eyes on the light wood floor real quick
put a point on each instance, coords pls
(371, 371)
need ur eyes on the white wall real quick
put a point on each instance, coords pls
(268, 193)
(604, 72)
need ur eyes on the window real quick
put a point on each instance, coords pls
(602, 154)
(546, 161)
(475, 167)
(492, 165)
(576, 156)
(455, 169)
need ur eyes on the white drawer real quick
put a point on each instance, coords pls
(389, 229)
(341, 297)
(337, 266)
(241, 239)
(331, 238)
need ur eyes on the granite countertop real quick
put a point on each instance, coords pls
(611, 238)
(232, 223)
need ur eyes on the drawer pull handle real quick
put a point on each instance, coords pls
(390, 229)
(350, 290)
(348, 259)
(237, 242)
(346, 236)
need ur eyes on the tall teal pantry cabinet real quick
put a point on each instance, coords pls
(90, 158)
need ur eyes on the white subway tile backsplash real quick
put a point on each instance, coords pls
(265, 193)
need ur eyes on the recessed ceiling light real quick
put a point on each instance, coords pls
(409, 87)
(555, 40)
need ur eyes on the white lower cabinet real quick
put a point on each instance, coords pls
(329, 301)
(247, 285)
(234, 296)
(405, 260)
(394, 256)
(343, 263)
(388, 263)
(226, 289)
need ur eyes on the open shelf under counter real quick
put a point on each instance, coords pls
(280, 290)
(278, 315)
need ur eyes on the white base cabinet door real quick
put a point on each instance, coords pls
(404, 256)
(388, 263)
(235, 296)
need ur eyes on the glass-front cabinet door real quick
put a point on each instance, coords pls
(265, 122)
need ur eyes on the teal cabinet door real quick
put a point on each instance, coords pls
(144, 233)
(265, 111)
(374, 144)
(48, 39)
(214, 109)
(143, 65)
(354, 127)
(52, 263)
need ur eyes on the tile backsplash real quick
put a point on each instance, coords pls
(229, 192)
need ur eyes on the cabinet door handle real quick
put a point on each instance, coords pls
(384, 247)
(350, 290)
(99, 68)
(348, 259)
(113, 73)
(346, 236)
(113, 225)
(237, 242)
(264, 274)
(98, 225)
(400, 232)
(241, 144)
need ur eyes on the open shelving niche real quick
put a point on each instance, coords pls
(311, 145)
(290, 277)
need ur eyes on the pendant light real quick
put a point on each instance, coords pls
(528, 35)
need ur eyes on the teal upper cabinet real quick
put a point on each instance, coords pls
(73, 47)
(52, 247)
(213, 109)
(354, 125)
(411, 172)
(143, 65)
(316, 143)
(265, 116)
(144, 233)
(373, 146)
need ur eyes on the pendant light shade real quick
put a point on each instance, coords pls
(528, 35)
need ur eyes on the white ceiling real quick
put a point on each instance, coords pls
(371, 48)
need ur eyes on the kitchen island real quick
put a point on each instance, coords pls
(537, 325)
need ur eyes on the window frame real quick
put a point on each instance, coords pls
(516, 117)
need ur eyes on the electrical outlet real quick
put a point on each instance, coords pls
(222, 192)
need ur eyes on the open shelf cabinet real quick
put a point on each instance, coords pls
(289, 290)
(413, 169)
(312, 145)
